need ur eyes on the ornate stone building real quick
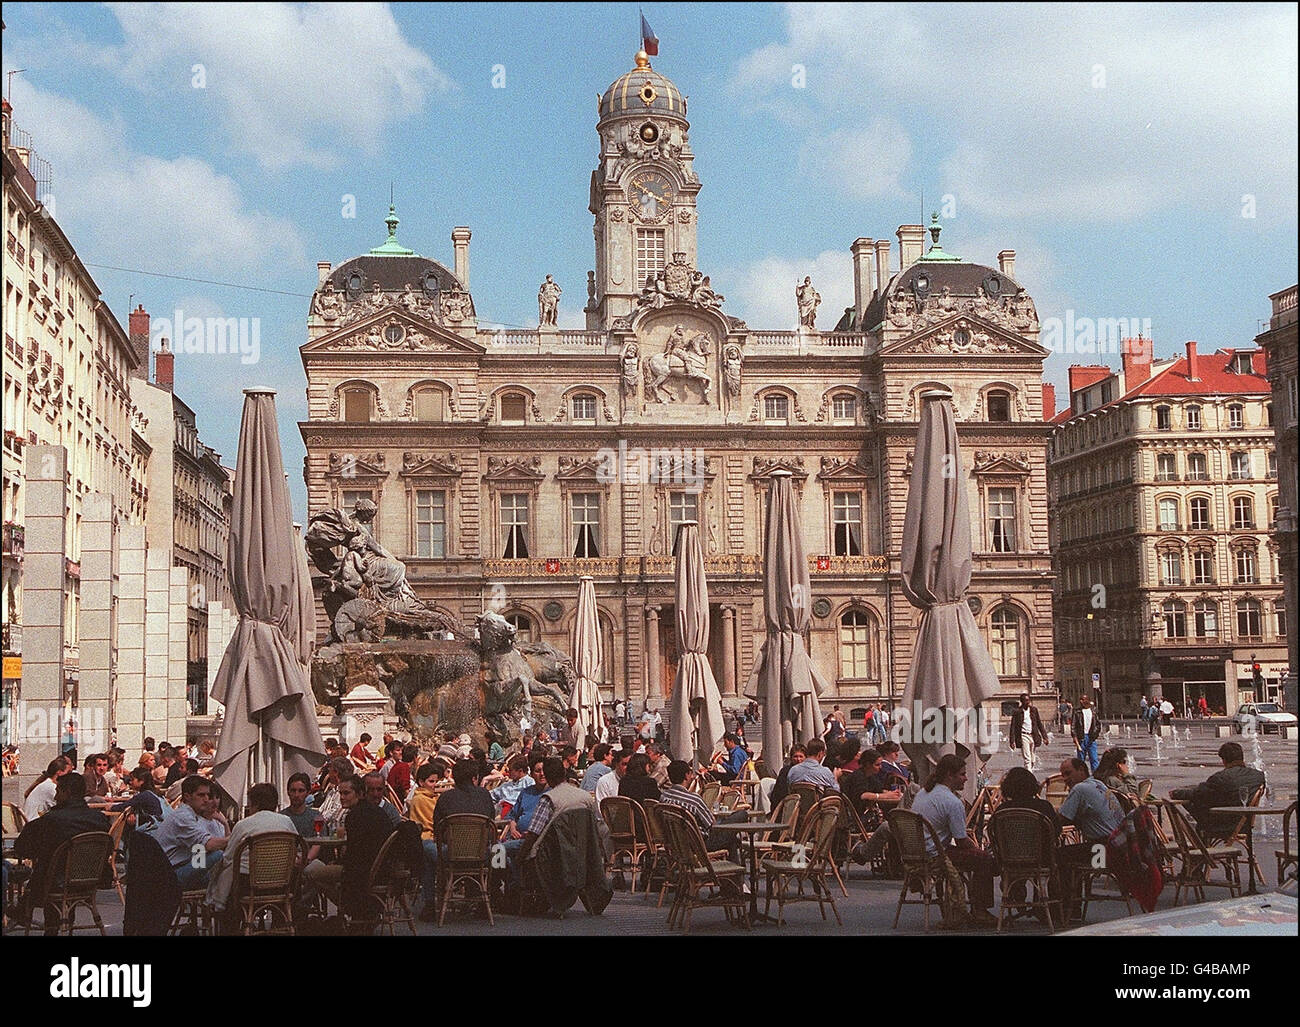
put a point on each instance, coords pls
(1163, 488)
(507, 463)
(1279, 344)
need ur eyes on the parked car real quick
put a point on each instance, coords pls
(1262, 716)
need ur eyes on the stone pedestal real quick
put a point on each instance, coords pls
(1223, 731)
(1289, 732)
(128, 712)
(40, 711)
(363, 710)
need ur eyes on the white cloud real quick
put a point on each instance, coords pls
(141, 211)
(1106, 113)
(763, 292)
(290, 82)
(861, 163)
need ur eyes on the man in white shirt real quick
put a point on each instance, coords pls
(608, 785)
(941, 806)
(263, 820)
(1086, 729)
(40, 800)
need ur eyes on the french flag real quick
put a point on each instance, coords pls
(649, 41)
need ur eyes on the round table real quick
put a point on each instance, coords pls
(1250, 813)
(753, 828)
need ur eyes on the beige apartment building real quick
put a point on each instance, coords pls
(1163, 490)
(507, 462)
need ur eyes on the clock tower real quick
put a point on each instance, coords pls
(643, 193)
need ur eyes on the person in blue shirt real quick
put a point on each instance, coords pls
(730, 766)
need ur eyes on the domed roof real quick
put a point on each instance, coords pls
(392, 267)
(642, 91)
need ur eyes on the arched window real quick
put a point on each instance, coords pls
(998, 405)
(1199, 511)
(1197, 468)
(523, 625)
(584, 407)
(1168, 511)
(1236, 415)
(1202, 566)
(1205, 618)
(427, 404)
(1247, 566)
(1243, 512)
(856, 639)
(514, 408)
(1193, 415)
(1249, 621)
(1004, 641)
(1163, 420)
(1171, 567)
(1175, 615)
(357, 404)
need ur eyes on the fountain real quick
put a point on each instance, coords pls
(1257, 753)
(1132, 763)
(1160, 757)
(1187, 735)
(1128, 732)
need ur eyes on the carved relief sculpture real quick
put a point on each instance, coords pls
(631, 365)
(732, 363)
(682, 358)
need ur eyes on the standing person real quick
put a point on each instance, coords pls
(1166, 712)
(1142, 708)
(1027, 736)
(1202, 708)
(834, 726)
(1152, 715)
(882, 726)
(1085, 728)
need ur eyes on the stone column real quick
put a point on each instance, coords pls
(654, 697)
(157, 643)
(728, 682)
(39, 713)
(95, 630)
(178, 653)
(217, 640)
(129, 714)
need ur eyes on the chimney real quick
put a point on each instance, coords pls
(322, 272)
(460, 241)
(911, 240)
(1137, 355)
(1007, 262)
(1049, 400)
(138, 329)
(864, 256)
(1192, 368)
(164, 366)
(882, 265)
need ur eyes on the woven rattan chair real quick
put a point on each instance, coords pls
(627, 834)
(701, 882)
(268, 888)
(1024, 844)
(1237, 836)
(1055, 791)
(709, 792)
(809, 861)
(395, 878)
(1201, 859)
(656, 848)
(729, 798)
(463, 844)
(116, 831)
(921, 872)
(786, 814)
(72, 880)
(1286, 856)
(12, 821)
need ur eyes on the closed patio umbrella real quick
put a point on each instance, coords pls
(784, 680)
(587, 662)
(263, 681)
(695, 721)
(951, 671)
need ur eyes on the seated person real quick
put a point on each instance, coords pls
(495, 754)
(602, 758)
(193, 836)
(1113, 772)
(399, 778)
(366, 828)
(96, 781)
(810, 770)
(327, 801)
(867, 786)
(40, 797)
(782, 786)
(517, 780)
(327, 878)
(941, 806)
(893, 763)
(362, 758)
(1020, 790)
(375, 792)
(637, 782)
(730, 766)
(1096, 813)
(610, 783)
(144, 808)
(263, 819)
(187, 768)
(678, 794)
(302, 815)
(466, 797)
(1234, 785)
(67, 818)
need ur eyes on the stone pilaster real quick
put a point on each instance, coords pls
(728, 683)
(128, 715)
(654, 696)
(95, 627)
(157, 642)
(177, 652)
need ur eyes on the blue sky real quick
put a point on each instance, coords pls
(1115, 149)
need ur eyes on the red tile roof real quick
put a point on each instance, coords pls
(1215, 377)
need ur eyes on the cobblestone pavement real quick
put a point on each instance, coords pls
(870, 905)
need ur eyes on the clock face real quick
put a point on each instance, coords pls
(651, 195)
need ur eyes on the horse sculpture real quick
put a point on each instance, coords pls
(682, 358)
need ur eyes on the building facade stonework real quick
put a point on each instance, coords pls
(1163, 491)
(505, 464)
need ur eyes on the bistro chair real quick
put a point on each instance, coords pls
(72, 880)
(116, 831)
(1237, 836)
(13, 821)
(701, 882)
(729, 798)
(709, 792)
(395, 877)
(809, 861)
(1055, 791)
(786, 814)
(1286, 856)
(1024, 844)
(922, 872)
(269, 886)
(193, 915)
(1201, 859)
(626, 824)
(657, 860)
(463, 845)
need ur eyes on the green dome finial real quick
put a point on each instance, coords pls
(392, 248)
(935, 253)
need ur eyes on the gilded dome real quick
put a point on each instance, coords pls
(642, 91)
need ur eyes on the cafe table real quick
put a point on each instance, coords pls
(1250, 813)
(752, 828)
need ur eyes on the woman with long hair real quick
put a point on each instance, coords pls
(1112, 771)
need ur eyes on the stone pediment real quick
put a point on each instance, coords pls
(430, 465)
(392, 330)
(1001, 463)
(765, 465)
(963, 335)
(523, 469)
(583, 469)
(357, 465)
(846, 469)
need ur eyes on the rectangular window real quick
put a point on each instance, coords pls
(844, 408)
(649, 253)
(1205, 620)
(1162, 419)
(846, 517)
(1166, 467)
(1202, 567)
(356, 405)
(427, 405)
(352, 496)
(1279, 607)
(514, 525)
(586, 524)
(584, 407)
(431, 523)
(682, 507)
(1200, 514)
(1236, 416)
(1193, 418)
(1246, 570)
(776, 409)
(1197, 468)
(1171, 569)
(1002, 520)
(1240, 466)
